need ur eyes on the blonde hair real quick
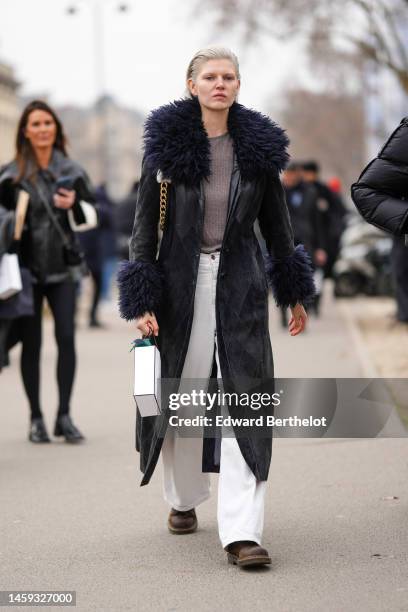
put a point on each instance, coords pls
(207, 54)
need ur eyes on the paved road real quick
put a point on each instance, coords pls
(76, 518)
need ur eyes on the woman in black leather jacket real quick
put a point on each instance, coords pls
(41, 160)
(380, 195)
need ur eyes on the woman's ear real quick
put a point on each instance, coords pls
(192, 87)
(237, 91)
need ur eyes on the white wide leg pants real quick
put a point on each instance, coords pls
(240, 496)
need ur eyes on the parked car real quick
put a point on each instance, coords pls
(364, 262)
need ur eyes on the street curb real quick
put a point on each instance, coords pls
(367, 364)
(394, 427)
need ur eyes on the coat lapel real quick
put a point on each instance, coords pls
(234, 192)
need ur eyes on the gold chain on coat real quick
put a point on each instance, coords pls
(163, 203)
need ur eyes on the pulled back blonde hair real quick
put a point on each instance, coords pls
(204, 55)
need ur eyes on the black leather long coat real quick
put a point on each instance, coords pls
(176, 144)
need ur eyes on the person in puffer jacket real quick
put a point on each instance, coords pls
(380, 196)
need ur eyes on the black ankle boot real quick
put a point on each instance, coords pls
(38, 433)
(65, 427)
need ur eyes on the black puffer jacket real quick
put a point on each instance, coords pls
(381, 192)
(41, 248)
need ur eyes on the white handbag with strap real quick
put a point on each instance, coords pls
(147, 388)
(10, 277)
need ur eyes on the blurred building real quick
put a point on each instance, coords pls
(9, 112)
(328, 127)
(107, 140)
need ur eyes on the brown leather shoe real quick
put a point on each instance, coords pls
(182, 521)
(246, 553)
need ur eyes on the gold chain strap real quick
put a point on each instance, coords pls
(163, 203)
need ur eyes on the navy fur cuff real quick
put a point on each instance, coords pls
(291, 278)
(140, 288)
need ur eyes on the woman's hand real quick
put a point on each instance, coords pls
(65, 198)
(297, 321)
(147, 324)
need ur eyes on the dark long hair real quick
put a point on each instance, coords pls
(24, 150)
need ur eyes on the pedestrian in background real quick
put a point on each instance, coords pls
(381, 197)
(206, 295)
(49, 250)
(98, 245)
(301, 198)
(107, 208)
(124, 217)
(343, 212)
(334, 183)
(332, 221)
(332, 210)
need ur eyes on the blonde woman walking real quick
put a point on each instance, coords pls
(206, 294)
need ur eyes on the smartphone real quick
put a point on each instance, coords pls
(64, 182)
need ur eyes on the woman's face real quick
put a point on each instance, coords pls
(41, 129)
(216, 84)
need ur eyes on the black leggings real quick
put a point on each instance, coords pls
(61, 298)
(97, 286)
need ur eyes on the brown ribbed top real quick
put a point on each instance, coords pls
(216, 192)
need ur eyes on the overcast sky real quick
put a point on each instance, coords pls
(146, 52)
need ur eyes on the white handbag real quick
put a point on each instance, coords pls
(147, 378)
(91, 218)
(10, 277)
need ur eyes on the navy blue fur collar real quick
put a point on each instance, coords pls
(177, 144)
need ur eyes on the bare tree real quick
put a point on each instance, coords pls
(376, 29)
(328, 127)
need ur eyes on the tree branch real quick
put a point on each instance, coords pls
(282, 19)
(389, 17)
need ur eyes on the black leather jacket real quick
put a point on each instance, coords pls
(41, 247)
